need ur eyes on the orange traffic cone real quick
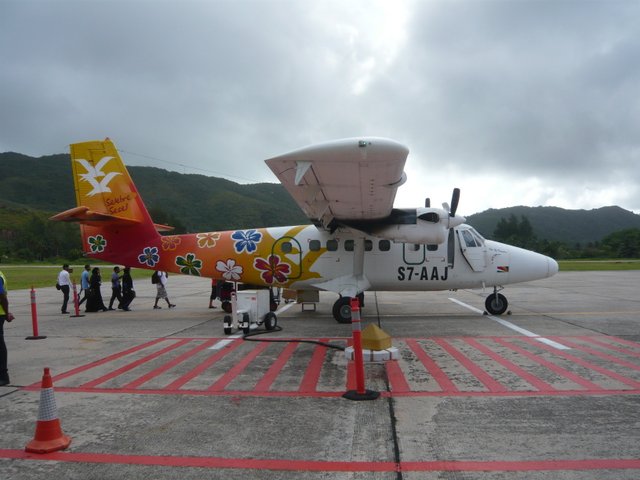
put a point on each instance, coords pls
(48, 437)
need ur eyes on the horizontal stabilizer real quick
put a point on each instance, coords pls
(86, 216)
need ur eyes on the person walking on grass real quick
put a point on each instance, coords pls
(161, 285)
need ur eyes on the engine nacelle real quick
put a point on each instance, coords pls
(431, 227)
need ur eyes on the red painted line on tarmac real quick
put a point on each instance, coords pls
(584, 363)
(436, 372)
(311, 376)
(624, 342)
(169, 365)
(238, 368)
(97, 363)
(602, 355)
(534, 381)
(135, 364)
(397, 380)
(563, 372)
(267, 380)
(335, 393)
(609, 346)
(329, 466)
(487, 380)
(176, 384)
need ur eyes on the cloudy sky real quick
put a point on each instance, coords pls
(517, 102)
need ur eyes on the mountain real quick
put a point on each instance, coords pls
(202, 203)
(199, 202)
(553, 223)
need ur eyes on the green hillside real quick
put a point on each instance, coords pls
(198, 202)
(557, 224)
(42, 186)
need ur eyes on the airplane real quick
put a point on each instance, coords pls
(356, 241)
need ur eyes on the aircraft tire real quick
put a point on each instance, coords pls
(270, 321)
(342, 310)
(496, 304)
(226, 306)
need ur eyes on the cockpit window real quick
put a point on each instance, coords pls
(468, 238)
(478, 237)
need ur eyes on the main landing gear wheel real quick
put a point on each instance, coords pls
(270, 321)
(496, 304)
(342, 310)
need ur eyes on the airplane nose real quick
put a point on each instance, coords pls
(552, 267)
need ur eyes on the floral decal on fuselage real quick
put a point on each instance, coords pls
(170, 242)
(207, 240)
(97, 244)
(246, 240)
(149, 256)
(230, 270)
(189, 264)
(273, 269)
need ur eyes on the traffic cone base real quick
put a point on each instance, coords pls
(48, 437)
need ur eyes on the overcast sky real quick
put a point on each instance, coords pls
(517, 102)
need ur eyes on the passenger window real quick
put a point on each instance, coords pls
(314, 245)
(384, 245)
(286, 247)
(368, 245)
(348, 245)
(432, 248)
(332, 245)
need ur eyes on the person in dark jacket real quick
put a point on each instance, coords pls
(128, 293)
(94, 302)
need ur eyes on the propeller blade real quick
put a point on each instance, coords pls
(427, 202)
(451, 247)
(455, 198)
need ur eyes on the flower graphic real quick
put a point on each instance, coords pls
(207, 240)
(246, 240)
(273, 270)
(189, 264)
(149, 256)
(230, 271)
(97, 244)
(170, 242)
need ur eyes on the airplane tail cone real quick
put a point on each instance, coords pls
(48, 436)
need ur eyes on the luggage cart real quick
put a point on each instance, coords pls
(250, 307)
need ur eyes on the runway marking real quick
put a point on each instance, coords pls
(277, 464)
(512, 326)
(434, 366)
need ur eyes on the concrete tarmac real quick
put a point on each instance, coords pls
(551, 391)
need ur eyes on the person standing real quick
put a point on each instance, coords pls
(162, 289)
(94, 302)
(7, 316)
(84, 283)
(64, 281)
(128, 293)
(116, 288)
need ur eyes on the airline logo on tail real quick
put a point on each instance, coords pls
(93, 173)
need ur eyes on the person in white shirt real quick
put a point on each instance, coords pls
(64, 281)
(162, 289)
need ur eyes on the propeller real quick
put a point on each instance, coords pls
(451, 243)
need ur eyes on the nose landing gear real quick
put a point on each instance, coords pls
(496, 303)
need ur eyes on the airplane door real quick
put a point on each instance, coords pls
(289, 248)
(473, 250)
(413, 253)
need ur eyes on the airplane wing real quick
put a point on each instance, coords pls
(350, 179)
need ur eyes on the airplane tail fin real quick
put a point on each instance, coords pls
(113, 219)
